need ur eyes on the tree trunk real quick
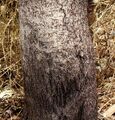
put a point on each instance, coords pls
(59, 71)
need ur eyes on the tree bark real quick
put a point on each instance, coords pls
(57, 51)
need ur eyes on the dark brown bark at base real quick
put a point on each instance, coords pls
(59, 71)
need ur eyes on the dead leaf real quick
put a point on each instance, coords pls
(110, 112)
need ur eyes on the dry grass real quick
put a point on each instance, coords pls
(104, 41)
(103, 26)
(10, 64)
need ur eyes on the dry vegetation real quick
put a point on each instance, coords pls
(11, 91)
(104, 42)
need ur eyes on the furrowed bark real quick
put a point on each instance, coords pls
(57, 51)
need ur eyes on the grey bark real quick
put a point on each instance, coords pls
(57, 58)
